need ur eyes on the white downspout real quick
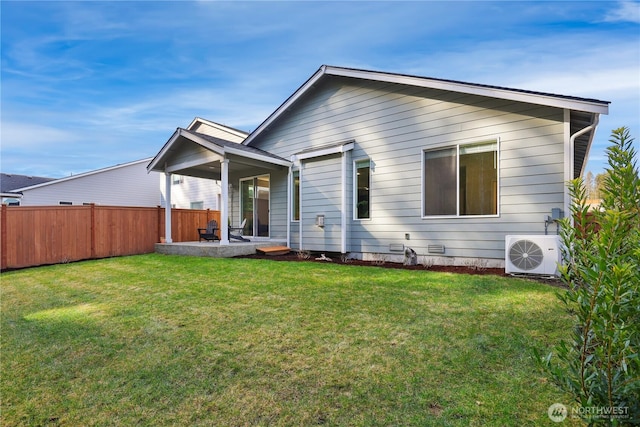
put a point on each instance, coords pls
(300, 204)
(343, 213)
(289, 207)
(572, 141)
(582, 132)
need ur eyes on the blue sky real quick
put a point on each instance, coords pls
(86, 85)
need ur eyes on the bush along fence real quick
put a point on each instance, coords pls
(39, 235)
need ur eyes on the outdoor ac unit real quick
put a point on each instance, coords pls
(532, 254)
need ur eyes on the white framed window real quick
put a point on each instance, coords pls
(196, 205)
(177, 179)
(461, 181)
(362, 189)
(295, 195)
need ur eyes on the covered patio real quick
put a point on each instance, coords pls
(199, 155)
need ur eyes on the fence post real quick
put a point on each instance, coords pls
(93, 230)
(3, 238)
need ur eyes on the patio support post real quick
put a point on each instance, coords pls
(300, 204)
(224, 212)
(167, 208)
(289, 207)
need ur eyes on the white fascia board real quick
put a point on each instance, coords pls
(152, 166)
(12, 195)
(158, 162)
(256, 156)
(327, 151)
(290, 101)
(532, 98)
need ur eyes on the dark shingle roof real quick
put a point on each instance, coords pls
(10, 182)
(480, 85)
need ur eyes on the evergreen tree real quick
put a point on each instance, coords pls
(598, 364)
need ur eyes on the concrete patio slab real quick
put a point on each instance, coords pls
(214, 249)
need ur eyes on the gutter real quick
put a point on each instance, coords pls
(569, 168)
(581, 132)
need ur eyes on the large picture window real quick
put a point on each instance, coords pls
(461, 181)
(362, 199)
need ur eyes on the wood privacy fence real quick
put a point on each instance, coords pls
(41, 235)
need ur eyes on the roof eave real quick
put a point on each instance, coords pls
(286, 104)
(11, 195)
(153, 164)
(157, 164)
(586, 105)
(257, 156)
(592, 106)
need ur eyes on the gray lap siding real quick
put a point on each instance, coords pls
(392, 125)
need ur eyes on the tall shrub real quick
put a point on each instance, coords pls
(598, 363)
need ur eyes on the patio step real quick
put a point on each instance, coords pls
(274, 250)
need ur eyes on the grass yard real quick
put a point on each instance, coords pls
(157, 340)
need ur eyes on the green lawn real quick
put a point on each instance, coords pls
(158, 340)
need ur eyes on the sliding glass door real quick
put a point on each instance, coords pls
(254, 205)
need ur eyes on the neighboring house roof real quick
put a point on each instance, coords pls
(10, 184)
(584, 110)
(81, 175)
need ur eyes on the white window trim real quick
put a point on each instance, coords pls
(457, 147)
(354, 195)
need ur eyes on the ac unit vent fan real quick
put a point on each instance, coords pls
(526, 255)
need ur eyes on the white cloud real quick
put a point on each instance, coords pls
(29, 136)
(625, 11)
